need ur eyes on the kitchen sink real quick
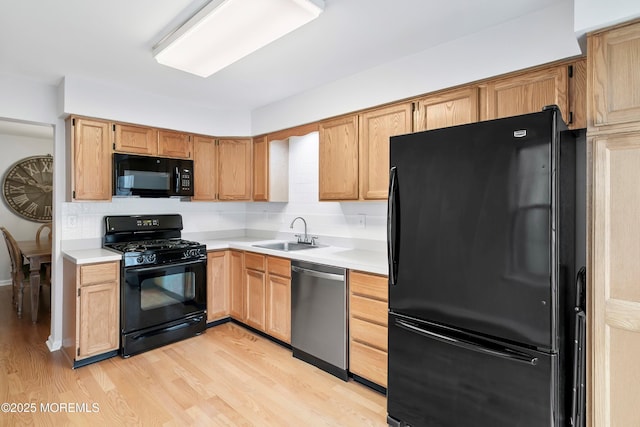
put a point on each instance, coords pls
(287, 246)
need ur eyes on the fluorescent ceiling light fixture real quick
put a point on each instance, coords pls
(224, 31)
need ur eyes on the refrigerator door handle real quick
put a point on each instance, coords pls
(392, 229)
(503, 353)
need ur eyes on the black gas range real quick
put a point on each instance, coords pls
(163, 280)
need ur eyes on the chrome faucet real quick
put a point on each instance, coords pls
(302, 239)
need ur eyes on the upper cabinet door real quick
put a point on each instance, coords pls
(339, 159)
(205, 168)
(614, 65)
(376, 127)
(136, 139)
(446, 109)
(528, 93)
(91, 142)
(174, 144)
(260, 169)
(234, 165)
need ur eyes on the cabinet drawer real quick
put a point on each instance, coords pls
(254, 261)
(99, 273)
(369, 285)
(279, 266)
(368, 362)
(368, 333)
(369, 309)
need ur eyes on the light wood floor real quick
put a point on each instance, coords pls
(228, 376)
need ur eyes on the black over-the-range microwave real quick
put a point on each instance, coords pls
(147, 176)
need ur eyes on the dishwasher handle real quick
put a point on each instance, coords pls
(319, 274)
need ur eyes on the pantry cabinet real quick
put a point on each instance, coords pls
(613, 231)
(614, 78)
(89, 175)
(91, 322)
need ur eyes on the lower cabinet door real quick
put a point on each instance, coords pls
(99, 319)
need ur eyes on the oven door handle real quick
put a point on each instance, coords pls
(155, 266)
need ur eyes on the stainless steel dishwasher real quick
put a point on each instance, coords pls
(319, 316)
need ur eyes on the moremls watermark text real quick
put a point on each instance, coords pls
(50, 407)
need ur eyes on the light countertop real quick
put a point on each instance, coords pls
(353, 259)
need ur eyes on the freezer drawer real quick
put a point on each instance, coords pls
(440, 378)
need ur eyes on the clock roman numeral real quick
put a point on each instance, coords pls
(23, 179)
(16, 189)
(31, 168)
(47, 211)
(47, 167)
(21, 199)
(31, 209)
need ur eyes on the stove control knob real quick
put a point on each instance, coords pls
(140, 259)
(151, 258)
(191, 253)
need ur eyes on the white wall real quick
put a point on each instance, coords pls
(531, 40)
(365, 221)
(15, 148)
(103, 100)
(591, 15)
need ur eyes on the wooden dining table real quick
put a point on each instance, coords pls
(36, 252)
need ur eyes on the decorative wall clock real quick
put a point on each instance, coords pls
(27, 188)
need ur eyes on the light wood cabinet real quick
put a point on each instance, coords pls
(270, 170)
(613, 272)
(222, 169)
(236, 283)
(234, 169)
(175, 144)
(260, 169)
(278, 308)
(205, 168)
(135, 139)
(614, 80)
(90, 173)
(338, 157)
(368, 308)
(255, 289)
(528, 93)
(218, 285)
(449, 108)
(91, 319)
(376, 127)
(268, 294)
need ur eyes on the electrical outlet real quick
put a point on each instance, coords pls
(72, 221)
(362, 221)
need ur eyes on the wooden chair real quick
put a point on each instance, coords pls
(43, 227)
(19, 271)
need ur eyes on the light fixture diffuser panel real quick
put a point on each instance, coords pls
(225, 31)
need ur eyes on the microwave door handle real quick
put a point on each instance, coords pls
(177, 179)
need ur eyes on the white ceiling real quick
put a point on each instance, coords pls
(111, 41)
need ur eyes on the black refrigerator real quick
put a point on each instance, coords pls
(482, 244)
